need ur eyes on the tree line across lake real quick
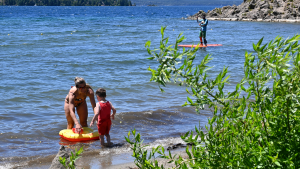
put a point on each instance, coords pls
(67, 2)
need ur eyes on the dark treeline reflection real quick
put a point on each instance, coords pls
(67, 2)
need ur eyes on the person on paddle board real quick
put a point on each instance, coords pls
(203, 24)
(77, 99)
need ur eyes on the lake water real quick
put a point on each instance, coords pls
(42, 50)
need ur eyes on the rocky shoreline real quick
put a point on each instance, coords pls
(256, 10)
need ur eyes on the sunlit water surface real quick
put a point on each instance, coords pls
(42, 50)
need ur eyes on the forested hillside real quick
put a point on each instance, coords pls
(119, 2)
(186, 2)
(67, 2)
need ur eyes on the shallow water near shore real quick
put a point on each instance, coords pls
(42, 49)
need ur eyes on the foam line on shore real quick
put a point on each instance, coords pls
(258, 20)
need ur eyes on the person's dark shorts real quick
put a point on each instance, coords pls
(202, 34)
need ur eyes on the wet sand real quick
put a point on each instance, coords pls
(122, 161)
(97, 161)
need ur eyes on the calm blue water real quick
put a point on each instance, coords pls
(42, 49)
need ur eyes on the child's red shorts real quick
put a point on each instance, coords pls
(104, 127)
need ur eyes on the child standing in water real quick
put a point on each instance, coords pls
(103, 115)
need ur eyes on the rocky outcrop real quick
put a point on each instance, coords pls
(256, 10)
(61, 153)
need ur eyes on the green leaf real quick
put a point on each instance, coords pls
(72, 155)
(128, 140)
(162, 31)
(190, 100)
(188, 152)
(181, 39)
(147, 44)
(277, 163)
(259, 42)
(254, 47)
(151, 58)
(80, 151)
(194, 91)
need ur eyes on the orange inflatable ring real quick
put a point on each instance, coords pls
(85, 135)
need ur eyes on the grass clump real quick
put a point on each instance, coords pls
(73, 158)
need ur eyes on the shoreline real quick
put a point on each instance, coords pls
(107, 158)
(257, 20)
(109, 161)
(122, 161)
(125, 160)
(250, 20)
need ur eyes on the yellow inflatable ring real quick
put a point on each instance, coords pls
(87, 134)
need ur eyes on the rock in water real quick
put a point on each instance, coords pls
(61, 153)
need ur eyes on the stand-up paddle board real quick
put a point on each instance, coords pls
(200, 46)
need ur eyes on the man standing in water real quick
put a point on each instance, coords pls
(203, 23)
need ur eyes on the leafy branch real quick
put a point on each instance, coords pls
(254, 126)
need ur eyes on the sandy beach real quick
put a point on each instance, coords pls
(110, 161)
(122, 161)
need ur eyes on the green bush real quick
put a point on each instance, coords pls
(255, 126)
(73, 158)
(219, 10)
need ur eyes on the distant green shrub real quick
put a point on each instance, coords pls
(219, 10)
(270, 12)
(271, 7)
